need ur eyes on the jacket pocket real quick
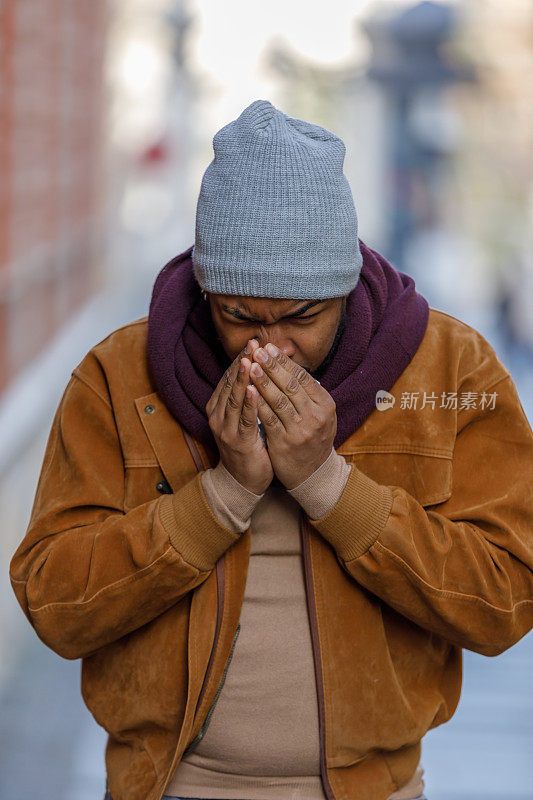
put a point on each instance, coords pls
(142, 484)
(426, 475)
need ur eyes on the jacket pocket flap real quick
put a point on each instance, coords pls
(428, 478)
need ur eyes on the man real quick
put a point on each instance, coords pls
(280, 616)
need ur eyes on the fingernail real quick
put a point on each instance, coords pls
(248, 349)
(241, 367)
(256, 370)
(261, 355)
(272, 349)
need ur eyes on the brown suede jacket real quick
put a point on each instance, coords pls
(428, 550)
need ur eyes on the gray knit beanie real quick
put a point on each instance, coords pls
(275, 215)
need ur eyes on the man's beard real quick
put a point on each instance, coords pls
(322, 367)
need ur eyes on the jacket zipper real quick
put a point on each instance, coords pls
(311, 608)
(221, 580)
(221, 574)
(201, 733)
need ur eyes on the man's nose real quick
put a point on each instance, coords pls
(281, 342)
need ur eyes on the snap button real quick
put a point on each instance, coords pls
(163, 487)
(149, 409)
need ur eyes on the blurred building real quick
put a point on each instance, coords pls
(492, 202)
(50, 168)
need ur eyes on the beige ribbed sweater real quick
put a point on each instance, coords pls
(262, 742)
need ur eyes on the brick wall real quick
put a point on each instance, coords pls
(51, 187)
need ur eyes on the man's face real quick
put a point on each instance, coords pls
(308, 331)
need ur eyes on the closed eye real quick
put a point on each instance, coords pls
(292, 319)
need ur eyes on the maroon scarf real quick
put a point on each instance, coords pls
(386, 321)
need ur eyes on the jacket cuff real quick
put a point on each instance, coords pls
(320, 492)
(230, 501)
(359, 517)
(193, 529)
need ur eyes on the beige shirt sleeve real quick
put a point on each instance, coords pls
(233, 504)
(320, 492)
(230, 501)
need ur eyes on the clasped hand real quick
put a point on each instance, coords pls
(298, 416)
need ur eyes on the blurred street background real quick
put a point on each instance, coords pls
(107, 113)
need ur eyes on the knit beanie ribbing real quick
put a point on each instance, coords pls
(275, 215)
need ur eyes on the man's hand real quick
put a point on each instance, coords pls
(232, 414)
(298, 415)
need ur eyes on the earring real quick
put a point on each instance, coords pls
(204, 294)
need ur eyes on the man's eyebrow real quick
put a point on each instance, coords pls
(236, 312)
